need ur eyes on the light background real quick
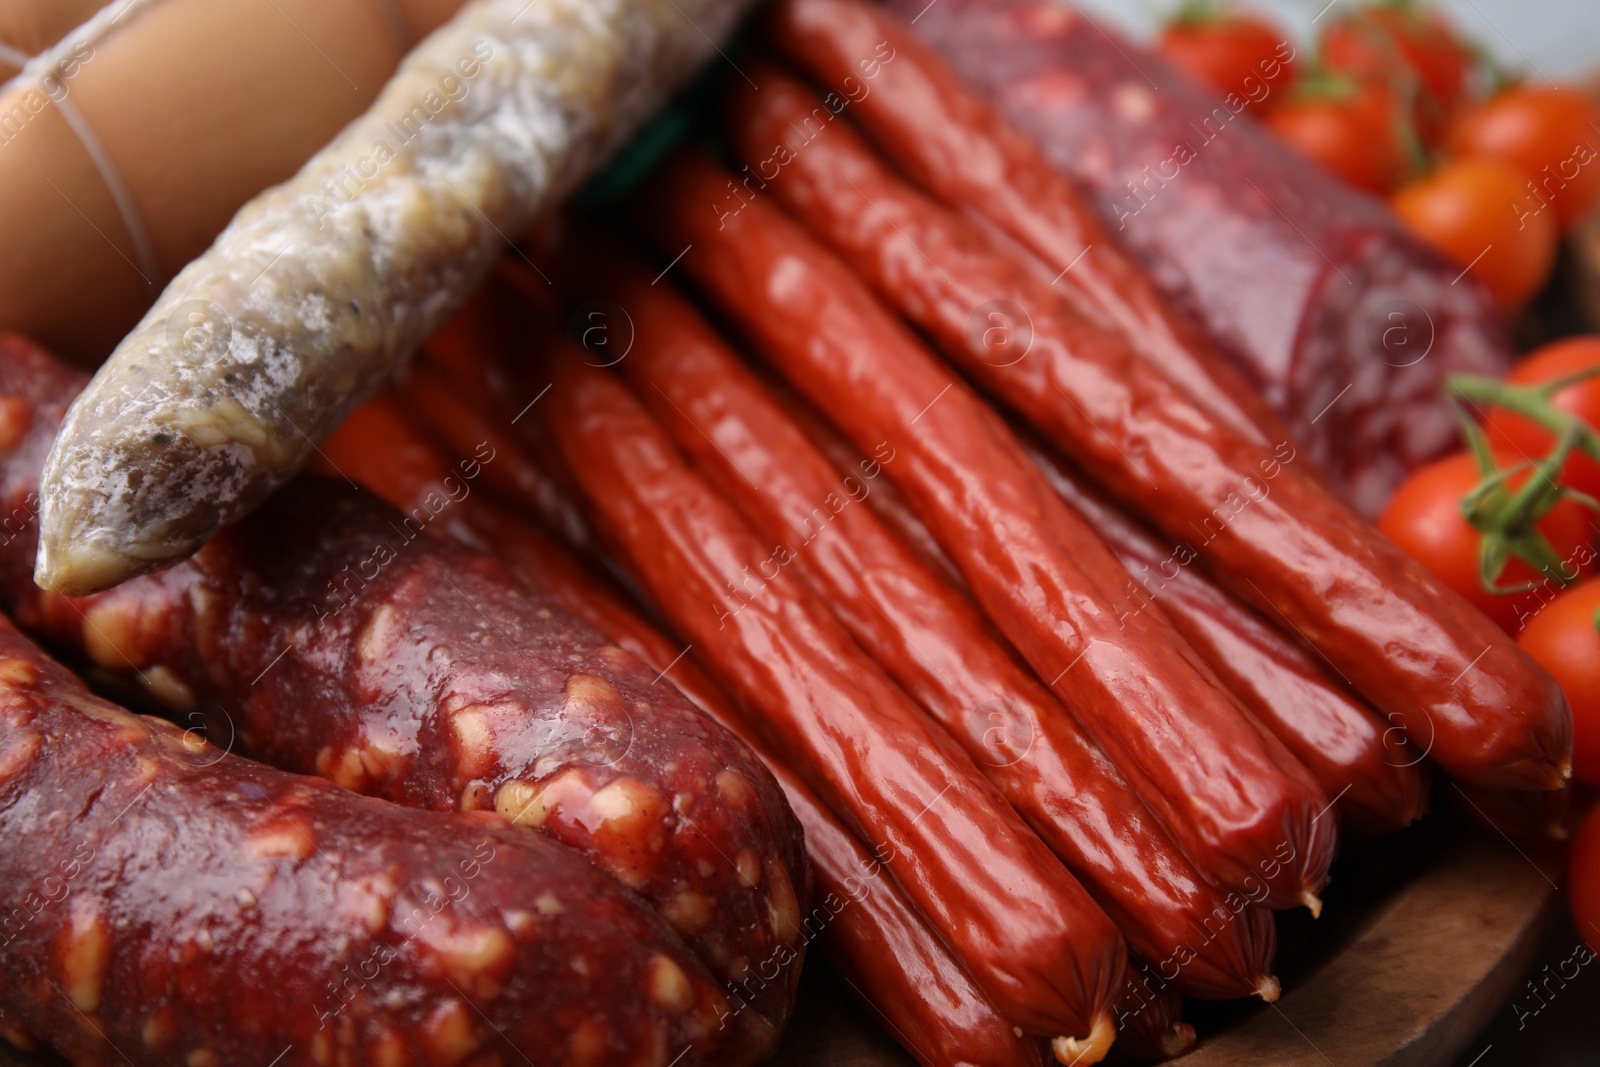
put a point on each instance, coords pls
(1557, 38)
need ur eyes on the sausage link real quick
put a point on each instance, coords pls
(1032, 939)
(403, 665)
(320, 287)
(934, 643)
(153, 886)
(1376, 774)
(960, 149)
(1238, 804)
(1456, 683)
(1149, 1027)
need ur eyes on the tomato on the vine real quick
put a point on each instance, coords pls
(1231, 51)
(1410, 49)
(1522, 437)
(1565, 638)
(1469, 209)
(1424, 518)
(1550, 133)
(1354, 130)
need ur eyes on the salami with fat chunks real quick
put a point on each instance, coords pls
(341, 637)
(163, 901)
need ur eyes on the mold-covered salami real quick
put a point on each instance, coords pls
(1345, 322)
(167, 902)
(322, 285)
(341, 637)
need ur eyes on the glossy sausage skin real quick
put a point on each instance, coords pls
(863, 922)
(935, 644)
(343, 638)
(163, 901)
(1433, 665)
(1343, 320)
(958, 147)
(1233, 798)
(1030, 936)
(1376, 774)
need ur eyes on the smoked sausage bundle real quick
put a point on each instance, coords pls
(1234, 799)
(935, 644)
(166, 901)
(1435, 666)
(1375, 774)
(956, 146)
(1029, 935)
(897, 965)
(1345, 322)
(403, 665)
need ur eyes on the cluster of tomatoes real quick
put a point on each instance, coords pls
(1487, 169)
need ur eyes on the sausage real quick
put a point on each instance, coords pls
(863, 922)
(1346, 323)
(955, 145)
(1376, 775)
(403, 665)
(116, 172)
(1430, 663)
(1029, 935)
(1232, 797)
(152, 886)
(1149, 1027)
(321, 286)
(934, 643)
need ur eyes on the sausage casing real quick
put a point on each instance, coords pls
(154, 887)
(336, 636)
(1433, 665)
(319, 287)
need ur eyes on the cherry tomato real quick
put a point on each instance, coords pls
(1583, 880)
(1547, 131)
(1424, 518)
(1564, 638)
(1352, 130)
(1230, 51)
(1474, 211)
(1413, 51)
(1522, 437)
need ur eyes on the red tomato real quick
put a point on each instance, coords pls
(1408, 49)
(1550, 133)
(1583, 880)
(1231, 52)
(1474, 210)
(1522, 437)
(1565, 639)
(1354, 131)
(1424, 518)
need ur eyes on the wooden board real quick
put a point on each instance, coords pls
(1407, 982)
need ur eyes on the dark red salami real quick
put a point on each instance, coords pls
(162, 901)
(1344, 322)
(344, 639)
